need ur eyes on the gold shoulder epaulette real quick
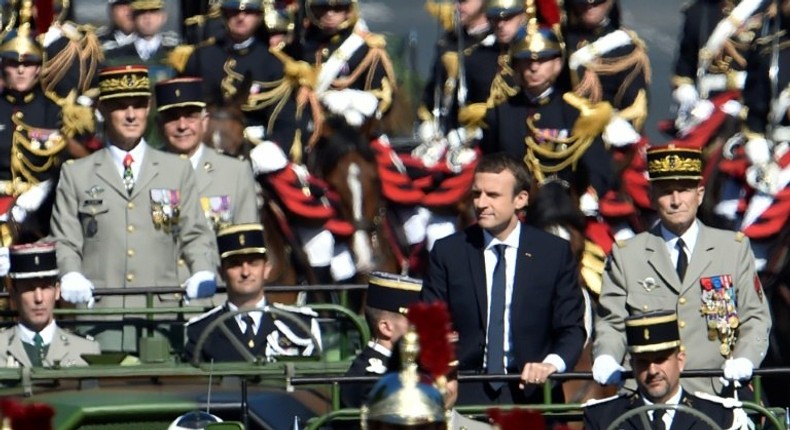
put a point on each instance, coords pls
(375, 40)
(179, 57)
(739, 236)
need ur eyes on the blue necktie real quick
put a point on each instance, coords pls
(683, 260)
(495, 351)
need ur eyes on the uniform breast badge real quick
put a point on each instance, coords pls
(217, 211)
(719, 310)
(649, 284)
(165, 209)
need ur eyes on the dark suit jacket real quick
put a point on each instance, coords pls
(547, 308)
(599, 416)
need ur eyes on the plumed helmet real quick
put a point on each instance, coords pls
(350, 22)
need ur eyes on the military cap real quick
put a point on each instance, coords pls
(241, 239)
(124, 81)
(586, 2)
(504, 8)
(653, 331)
(278, 21)
(34, 260)
(536, 43)
(392, 293)
(311, 3)
(179, 92)
(256, 5)
(671, 162)
(145, 5)
(115, 2)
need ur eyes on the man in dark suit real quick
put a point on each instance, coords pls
(657, 360)
(262, 330)
(518, 314)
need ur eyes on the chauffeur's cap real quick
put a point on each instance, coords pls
(654, 331)
(124, 81)
(241, 239)
(33, 260)
(671, 162)
(179, 92)
(392, 292)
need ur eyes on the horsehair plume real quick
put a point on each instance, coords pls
(548, 12)
(45, 13)
(433, 325)
(517, 419)
(36, 416)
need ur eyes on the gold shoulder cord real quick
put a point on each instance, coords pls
(377, 55)
(23, 167)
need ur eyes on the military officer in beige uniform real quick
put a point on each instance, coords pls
(36, 340)
(225, 185)
(706, 275)
(124, 215)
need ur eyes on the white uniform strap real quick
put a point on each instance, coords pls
(331, 69)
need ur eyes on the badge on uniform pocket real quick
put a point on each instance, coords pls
(165, 209)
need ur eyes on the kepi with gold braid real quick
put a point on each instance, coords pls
(674, 163)
(124, 81)
(241, 239)
(33, 260)
(393, 293)
(20, 44)
(179, 92)
(653, 331)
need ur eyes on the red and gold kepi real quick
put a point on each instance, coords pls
(674, 163)
(124, 81)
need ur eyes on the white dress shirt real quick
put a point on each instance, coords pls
(669, 414)
(47, 334)
(147, 47)
(195, 158)
(256, 316)
(138, 154)
(689, 239)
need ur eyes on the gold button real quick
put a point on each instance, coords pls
(130, 205)
(682, 348)
(682, 324)
(130, 229)
(93, 211)
(682, 301)
(130, 253)
(644, 307)
(129, 277)
(181, 262)
(536, 116)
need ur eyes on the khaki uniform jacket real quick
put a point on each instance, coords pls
(65, 350)
(628, 290)
(219, 175)
(110, 236)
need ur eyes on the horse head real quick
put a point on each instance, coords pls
(227, 122)
(554, 207)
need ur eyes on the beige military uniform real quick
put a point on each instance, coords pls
(640, 277)
(117, 240)
(65, 350)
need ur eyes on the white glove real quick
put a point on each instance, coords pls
(739, 369)
(686, 96)
(619, 133)
(430, 152)
(606, 370)
(31, 199)
(201, 285)
(460, 157)
(764, 178)
(267, 157)
(428, 132)
(588, 204)
(75, 288)
(696, 115)
(255, 132)
(462, 135)
(5, 263)
(354, 105)
(758, 150)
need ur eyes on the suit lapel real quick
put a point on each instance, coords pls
(682, 420)
(478, 271)
(148, 171)
(106, 170)
(58, 349)
(701, 258)
(658, 258)
(17, 350)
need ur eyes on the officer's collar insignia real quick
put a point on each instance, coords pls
(649, 284)
(208, 167)
(94, 191)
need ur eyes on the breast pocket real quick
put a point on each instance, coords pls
(91, 216)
